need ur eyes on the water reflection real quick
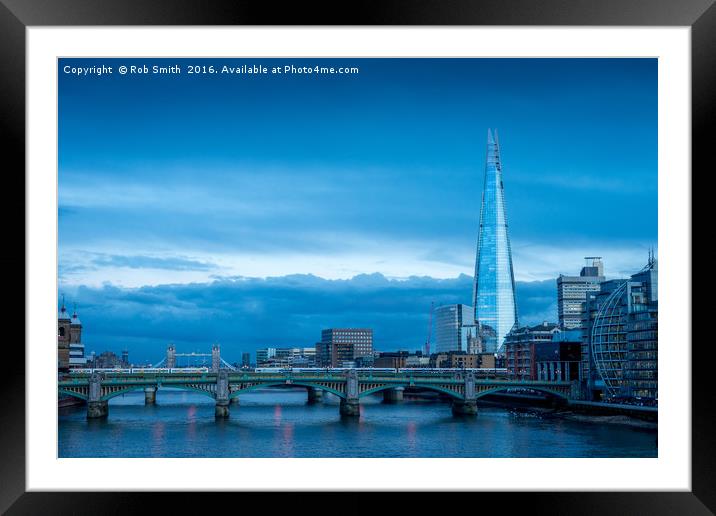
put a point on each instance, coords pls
(158, 438)
(411, 436)
(287, 443)
(191, 422)
(277, 415)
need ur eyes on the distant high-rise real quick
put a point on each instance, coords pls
(284, 357)
(494, 283)
(451, 321)
(572, 292)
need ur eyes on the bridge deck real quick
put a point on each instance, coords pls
(121, 378)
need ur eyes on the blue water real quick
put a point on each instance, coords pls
(279, 423)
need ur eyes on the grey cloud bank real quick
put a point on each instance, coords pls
(243, 314)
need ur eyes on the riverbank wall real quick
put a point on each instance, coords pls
(69, 401)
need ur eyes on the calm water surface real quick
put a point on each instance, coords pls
(279, 423)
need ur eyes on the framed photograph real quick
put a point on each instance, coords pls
(269, 250)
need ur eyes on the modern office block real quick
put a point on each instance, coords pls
(572, 292)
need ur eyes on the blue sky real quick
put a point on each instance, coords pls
(254, 210)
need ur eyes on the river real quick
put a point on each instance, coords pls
(279, 423)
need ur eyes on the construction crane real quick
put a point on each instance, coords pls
(430, 330)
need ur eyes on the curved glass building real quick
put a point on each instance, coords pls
(621, 324)
(494, 283)
(608, 339)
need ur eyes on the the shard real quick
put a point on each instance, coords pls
(494, 283)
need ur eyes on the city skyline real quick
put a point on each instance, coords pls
(285, 193)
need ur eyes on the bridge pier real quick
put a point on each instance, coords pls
(97, 409)
(350, 407)
(464, 408)
(314, 395)
(468, 405)
(221, 409)
(222, 395)
(393, 395)
(150, 395)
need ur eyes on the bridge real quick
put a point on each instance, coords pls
(224, 386)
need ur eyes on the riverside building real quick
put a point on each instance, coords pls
(70, 349)
(620, 338)
(521, 349)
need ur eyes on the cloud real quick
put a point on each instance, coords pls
(244, 313)
(541, 260)
(151, 262)
(352, 254)
(573, 180)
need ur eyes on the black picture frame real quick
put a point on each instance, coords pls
(17, 15)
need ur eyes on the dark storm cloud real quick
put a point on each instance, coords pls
(243, 314)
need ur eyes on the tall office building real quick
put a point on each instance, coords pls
(340, 347)
(572, 292)
(452, 327)
(494, 284)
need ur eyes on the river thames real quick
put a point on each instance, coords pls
(279, 423)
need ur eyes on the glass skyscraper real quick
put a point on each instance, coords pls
(494, 284)
(450, 323)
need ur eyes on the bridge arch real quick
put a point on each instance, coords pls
(114, 394)
(74, 394)
(429, 387)
(294, 383)
(132, 388)
(543, 390)
(189, 388)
